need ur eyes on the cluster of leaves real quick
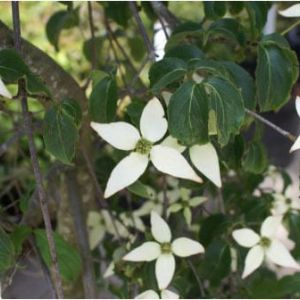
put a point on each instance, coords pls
(207, 93)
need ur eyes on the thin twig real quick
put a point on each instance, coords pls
(287, 30)
(163, 26)
(271, 125)
(34, 160)
(199, 282)
(142, 29)
(92, 29)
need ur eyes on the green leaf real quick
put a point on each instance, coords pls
(255, 160)
(185, 52)
(258, 12)
(211, 228)
(188, 114)
(140, 189)
(214, 9)
(243, 81)
(137, 47)
(227, 102)
(18, 236)
(216, 262)
(103, 100)
(134, 111)
(88, 48)
(69, 261)
(229, 28)
(7, 251)
(13, 68)
(294, 228)
(276, 73)
(118, 11)
(60, 133)
(207, 67)
(189, 31)
(63, 19)
(71, 108)
(166, 71)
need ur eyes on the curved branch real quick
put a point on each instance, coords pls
(59, 82)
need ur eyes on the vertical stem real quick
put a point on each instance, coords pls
(34, 160)
(92, 29)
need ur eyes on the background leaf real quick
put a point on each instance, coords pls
(69, 261)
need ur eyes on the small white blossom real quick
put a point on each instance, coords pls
(4, 91)
(296, 145)
(163, 250)
(282, 204)
(100, 223)
(291, 12)
(132, 220)
(164, 294)
(267, 245)
(204, 158)
(124, 136)
(186, 205)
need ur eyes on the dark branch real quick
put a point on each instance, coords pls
(34, 160)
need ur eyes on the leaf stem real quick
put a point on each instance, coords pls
(34, 160)
(285, 31)
(271, 125)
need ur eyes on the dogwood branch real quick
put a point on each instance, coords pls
(34, 160)
(271, 125)
(142, 29)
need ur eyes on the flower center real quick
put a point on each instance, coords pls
(143, 146)
(288, 201)
(265, 242)
(165, 248)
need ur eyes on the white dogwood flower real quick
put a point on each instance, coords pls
(283, 204)
(124, 136)
(267, 245)
(204, 158)
(100, 223)
(296, 145)
(186, 204)
(4, 91)
(164, 294)
(163, 250)
(291, 12)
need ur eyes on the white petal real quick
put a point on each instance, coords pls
(167, 294)
(146, 252)
(120, 135)
(295, 204)
(270, 226)
(126, 172)
(96, 235)
(197, 201)
(164, 270)
(246, 237)
(171, 142)
(110, 270)
(4, 91)
(187, 213)
(149, 294)
(174, 208)
(94, 218)
(166, 96)
(153, 124)
(184, 247)
(280, 255)
(170, 161)
(296, 145)
(205, 159)
(291, 12)
(159, 228)
(297, 104)
(253, 260)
